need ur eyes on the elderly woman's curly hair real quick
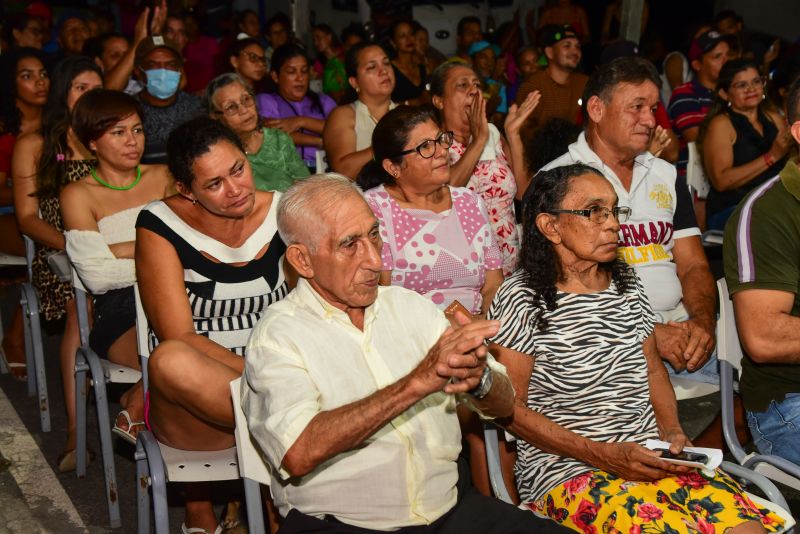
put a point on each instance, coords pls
(538, 258)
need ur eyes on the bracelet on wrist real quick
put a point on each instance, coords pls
(768, 159)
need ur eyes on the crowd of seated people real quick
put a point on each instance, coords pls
(478, 227)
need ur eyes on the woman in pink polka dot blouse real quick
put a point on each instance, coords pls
(437, 239)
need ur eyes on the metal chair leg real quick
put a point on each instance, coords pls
(255, 513)
(158, 480)
(103, 418)
(38, 356)
(142, 489)
(81, 368)
(28, 331)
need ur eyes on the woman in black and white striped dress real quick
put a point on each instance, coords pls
(598, 389)
(209, 261)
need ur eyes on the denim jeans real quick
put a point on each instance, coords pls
(777, 431)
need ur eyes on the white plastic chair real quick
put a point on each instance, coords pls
(252, 467)
(157, 464)
(100, 372)
(34, 348)
(729, 353)
(774, 501)
(322, 161)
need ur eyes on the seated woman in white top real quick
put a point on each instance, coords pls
(347, 136)
(99, 214)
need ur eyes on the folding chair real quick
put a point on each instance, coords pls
(100, 372)
(322, 161)
(252, 467)
(157, 464)
(774, 501)
(34, 348)
(729, 353)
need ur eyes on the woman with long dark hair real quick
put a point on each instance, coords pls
(347, 136)
(292, 108)
(43, 163)
(329, 65)
(248, 59)
(576, 337)
(23, 92)
(744, 142)
(409, 74)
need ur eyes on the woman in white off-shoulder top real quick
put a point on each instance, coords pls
(99, 213)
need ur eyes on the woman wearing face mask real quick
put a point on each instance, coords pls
(293, 108)
(159, 65)
(347, 136)
(271, 153)
(43, 163)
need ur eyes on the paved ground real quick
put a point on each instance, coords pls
(35, 498)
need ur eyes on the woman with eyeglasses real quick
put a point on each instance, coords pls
(249, 61)
(576, 336)
(347, 136)
(271, 153)
(481, 158)
(437, 239)
(743, 142)
(292, 108)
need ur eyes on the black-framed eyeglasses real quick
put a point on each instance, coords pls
(255, 58)
(231, 109)
(599, 214)
(427, 148)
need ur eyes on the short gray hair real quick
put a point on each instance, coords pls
(301, 207)
(223, 80)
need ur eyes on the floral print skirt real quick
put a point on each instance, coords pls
(597, 502)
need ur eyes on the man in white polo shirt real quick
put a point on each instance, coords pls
(661, 240)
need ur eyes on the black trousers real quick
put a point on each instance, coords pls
(473, 514)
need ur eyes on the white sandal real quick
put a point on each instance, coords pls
(198, 530)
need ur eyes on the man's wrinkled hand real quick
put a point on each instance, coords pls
(671, 342)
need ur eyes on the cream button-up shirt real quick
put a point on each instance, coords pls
(305, 357)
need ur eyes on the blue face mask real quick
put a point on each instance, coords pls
(162, 83)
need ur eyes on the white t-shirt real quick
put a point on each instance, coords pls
(661, 213)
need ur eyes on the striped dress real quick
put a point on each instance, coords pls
(590, 374)
(227, 301)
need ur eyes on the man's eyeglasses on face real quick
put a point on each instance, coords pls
(231, 109)
(255, 58)
(427, 148)
(599, 214)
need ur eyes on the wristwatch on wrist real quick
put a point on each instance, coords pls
(484, 386)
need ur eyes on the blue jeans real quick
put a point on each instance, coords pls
(777, 431)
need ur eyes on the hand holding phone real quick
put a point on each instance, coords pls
(684, 456)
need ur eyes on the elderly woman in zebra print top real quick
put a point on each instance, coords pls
(576, 337)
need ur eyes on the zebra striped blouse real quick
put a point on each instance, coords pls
(590, 374)
(226, 300)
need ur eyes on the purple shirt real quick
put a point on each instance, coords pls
(274, 106)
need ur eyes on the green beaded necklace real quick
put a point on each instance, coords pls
(115, 187)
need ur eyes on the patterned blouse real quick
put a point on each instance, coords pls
(226, 300)
(493, 180)
(443, 256)
(590, 374)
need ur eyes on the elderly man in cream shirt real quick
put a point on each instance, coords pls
(351, 388)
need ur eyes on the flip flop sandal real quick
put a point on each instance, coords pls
(14, 365)
(197, 530)
(125, 433)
